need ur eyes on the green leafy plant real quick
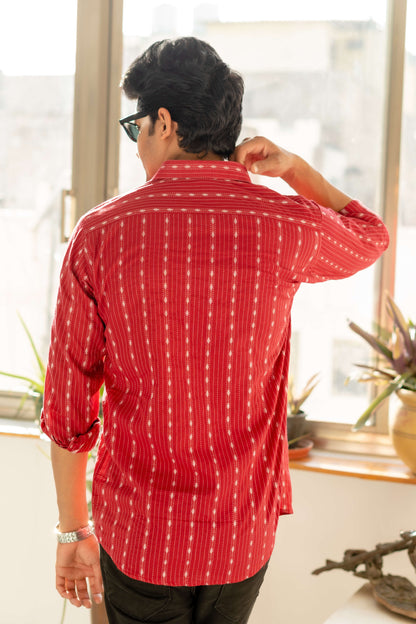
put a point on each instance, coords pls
(397, 350)
(35, 385)
(295, 416)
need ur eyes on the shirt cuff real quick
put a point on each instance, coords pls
(73, 442)
(353, 208)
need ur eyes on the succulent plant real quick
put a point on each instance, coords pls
(397, 349)
(294, 400)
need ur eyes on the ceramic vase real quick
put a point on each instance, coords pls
(403, 428)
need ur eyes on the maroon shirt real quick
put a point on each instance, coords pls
(178, 296)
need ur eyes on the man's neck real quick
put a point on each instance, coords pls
(182, 155)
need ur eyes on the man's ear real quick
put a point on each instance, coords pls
(167, 125)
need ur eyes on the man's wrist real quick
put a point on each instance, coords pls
(295, 172)
(68, 537)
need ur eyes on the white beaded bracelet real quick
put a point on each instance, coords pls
(74, 536)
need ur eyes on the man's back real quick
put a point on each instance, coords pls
(178, 296)
(193, 277)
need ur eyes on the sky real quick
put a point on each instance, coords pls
(43, 41)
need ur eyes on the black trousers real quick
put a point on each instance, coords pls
(129, 601)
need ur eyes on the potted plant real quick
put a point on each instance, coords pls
(296, 417)
(35, 386)
(396, 374)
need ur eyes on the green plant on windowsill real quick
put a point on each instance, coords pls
(35, 386)
(296, 417)
(397, 348)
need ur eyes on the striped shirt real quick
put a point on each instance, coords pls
(178, 296)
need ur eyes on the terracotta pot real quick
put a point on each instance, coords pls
(403, 428)
(301, 449)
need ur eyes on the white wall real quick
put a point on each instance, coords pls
(27, 547)
(331, 514)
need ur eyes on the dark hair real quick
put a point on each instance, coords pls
(202, 94)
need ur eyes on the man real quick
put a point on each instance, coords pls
(178, 296)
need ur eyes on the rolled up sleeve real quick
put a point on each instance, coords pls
(349, 241)
(76, 355)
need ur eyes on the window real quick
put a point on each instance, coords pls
(50, 151)
(406, 231)
(311, 87)
(36, 111)
(316, 85)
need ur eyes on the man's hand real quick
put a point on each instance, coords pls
(75, 563)
(261, 156)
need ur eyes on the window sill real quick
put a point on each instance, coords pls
(17, 406)
(21, 428)
(361, 466)
(327, 462)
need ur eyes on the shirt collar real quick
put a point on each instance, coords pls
(192, 169)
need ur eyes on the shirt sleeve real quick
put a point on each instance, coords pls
(75, 365)
(347, 242)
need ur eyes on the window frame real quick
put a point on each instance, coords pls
(97, 104)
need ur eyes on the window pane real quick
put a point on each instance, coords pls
(406, 235)
(36, 81)
(312, 87)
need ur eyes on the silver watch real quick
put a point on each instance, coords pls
(74, 536)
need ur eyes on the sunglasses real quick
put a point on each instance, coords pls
(132, 129)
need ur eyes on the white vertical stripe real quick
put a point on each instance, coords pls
(68, 414)
(229, 386)
(207, 374)
(121, 283)
(255, 305)
(189, 400)
(171, 445)
(149, 416)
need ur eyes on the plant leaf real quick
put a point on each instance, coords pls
(35, 385)
(292, 442)
(309, 388)
(39, 360)
(390, 374)
(376, 344)
(401, 323)
(410, 384)
(396, 384)
(295, 401)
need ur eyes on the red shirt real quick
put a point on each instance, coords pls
(178, 296)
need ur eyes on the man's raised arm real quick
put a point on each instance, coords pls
(345, 243)
(261, 156)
